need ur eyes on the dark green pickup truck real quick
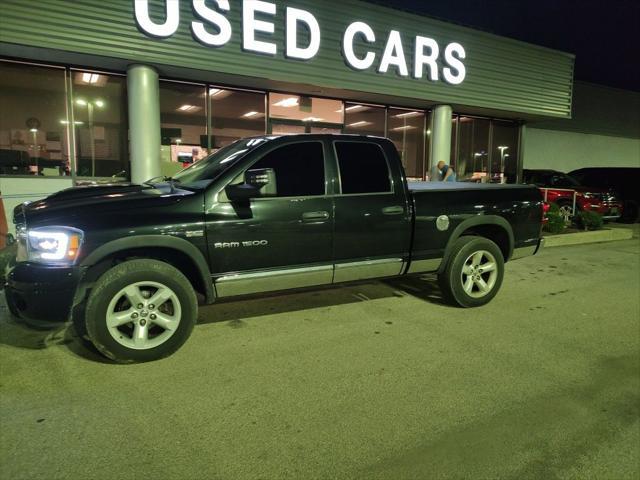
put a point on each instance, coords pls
(127, 262)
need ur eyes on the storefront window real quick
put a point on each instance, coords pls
(309, 110)
(33, 121)
(235, 114)
(183, 122)
(473, 149)
(406, 131)
(364, 119)
(101, 124)
(504, 155)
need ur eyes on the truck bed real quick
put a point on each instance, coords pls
(431, 186)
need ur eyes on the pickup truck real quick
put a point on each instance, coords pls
(128, 264)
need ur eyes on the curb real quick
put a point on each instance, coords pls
(608, 235)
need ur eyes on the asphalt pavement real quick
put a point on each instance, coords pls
(371, 381)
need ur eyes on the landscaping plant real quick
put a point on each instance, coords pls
(555, 221)
(589, 220)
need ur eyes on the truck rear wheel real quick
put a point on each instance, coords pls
(140, 310)
(474, 272)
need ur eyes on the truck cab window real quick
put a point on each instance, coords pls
(363, 168)
(299, 169)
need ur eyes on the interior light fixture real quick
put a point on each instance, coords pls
(288, 102)
(408, 114)
(81, 102)
(361, 123)
(355, 107)
(33, 130)
(90, 77)
(99, 103)
(404, 127)
(312, 119)
(251, 114)
(214, 91)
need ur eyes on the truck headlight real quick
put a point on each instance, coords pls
(54, 245)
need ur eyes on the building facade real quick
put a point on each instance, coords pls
(132, 89)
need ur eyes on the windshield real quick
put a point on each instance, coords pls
(201, 173)
(561, 180)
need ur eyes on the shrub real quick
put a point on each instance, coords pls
(555, 221)
(589, 220)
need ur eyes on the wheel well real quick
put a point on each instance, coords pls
(173, 257)
(495, 233)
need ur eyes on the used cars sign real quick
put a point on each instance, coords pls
(211, 27)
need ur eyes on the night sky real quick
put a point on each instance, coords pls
(603, 34)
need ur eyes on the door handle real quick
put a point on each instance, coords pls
(395, 210)
(315, 216)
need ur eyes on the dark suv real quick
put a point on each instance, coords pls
(624, 180)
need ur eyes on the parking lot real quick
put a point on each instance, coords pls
(375, 380)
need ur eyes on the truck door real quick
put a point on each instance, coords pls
(372, 217)
(280, 242)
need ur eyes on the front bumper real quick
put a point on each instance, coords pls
(40, 292)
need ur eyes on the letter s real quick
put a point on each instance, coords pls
(456, 65)
(168, 28)
(219, 20)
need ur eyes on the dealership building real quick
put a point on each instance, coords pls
(133, 89)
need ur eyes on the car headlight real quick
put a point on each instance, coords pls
(53, 245)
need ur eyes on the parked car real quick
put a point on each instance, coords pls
(624, 180)
(124, 262)
(559, 188)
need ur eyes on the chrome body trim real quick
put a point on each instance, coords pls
(524, 251)
(387, 267)
(428, 265)
(269, 281)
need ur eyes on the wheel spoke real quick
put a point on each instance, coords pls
(467, 269)
(488, 267)
(477, 258)
(134, 295)
(140, 335)
(115, 319)
(468, 285)
(482, 285)
(165, 321)
(161, 296)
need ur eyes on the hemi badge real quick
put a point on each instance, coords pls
(194, 233)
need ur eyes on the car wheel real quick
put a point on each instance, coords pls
(140, 310)
(473, 275)
(566, 210)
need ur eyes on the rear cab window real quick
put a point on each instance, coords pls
(363, 168)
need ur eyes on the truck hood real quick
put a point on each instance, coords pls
(62, 207)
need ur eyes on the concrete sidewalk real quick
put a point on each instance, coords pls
(608, 234)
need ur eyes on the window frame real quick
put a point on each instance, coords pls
(339, 175)
(269, 151)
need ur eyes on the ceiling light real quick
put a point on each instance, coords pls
(288, 102)
(81, 102)
(214, 91)
(33, 130)
(186, 108)
(355, 107)
(251, 114)
(408, 114)
(406, 127)
(361, 123)
(99, 103)
(312, 119)
(90, 77)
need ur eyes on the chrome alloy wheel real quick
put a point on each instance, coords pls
(143, 315)
(479, 274)
(566, 211)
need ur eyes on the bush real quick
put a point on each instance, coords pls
(555, 221)
(589, 220)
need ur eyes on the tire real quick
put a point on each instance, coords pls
(123, 323)
(464, 282)
(13, 309)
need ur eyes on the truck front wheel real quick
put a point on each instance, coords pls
(474, 272)
(140, 310)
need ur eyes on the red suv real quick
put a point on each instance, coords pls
(559, 188)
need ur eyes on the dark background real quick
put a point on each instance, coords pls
(603, 34)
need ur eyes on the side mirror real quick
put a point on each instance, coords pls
(257, 183)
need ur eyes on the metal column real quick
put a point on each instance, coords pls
(144, 122)
(440, 135)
